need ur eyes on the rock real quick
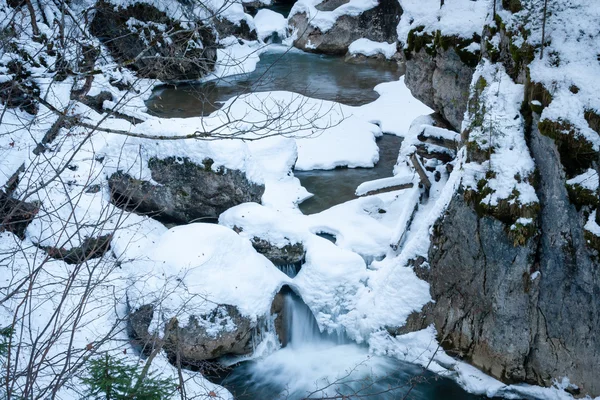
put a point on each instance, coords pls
(441, 81)
(16, 215)
(20, 92)
(224, 331)
(126, 33)
(286, 255)
(240, 30)
(526, 313)
(90, 248)
(197, 341)
(278, 309)
(377, 24)
(185, 191)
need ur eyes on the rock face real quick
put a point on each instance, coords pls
(286, 255)
(222, 332)
(186, 191)
(441, 81)
(137, 37)
(377, 24)
(526, 313)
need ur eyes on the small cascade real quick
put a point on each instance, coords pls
(302, 328)
(315, 365)
(290, 270)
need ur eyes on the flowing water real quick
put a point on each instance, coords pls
(338, 185)
(320, 365)
(314, 364)
(319, 76)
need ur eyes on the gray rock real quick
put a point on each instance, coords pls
(441, 81)
(286, 255)
(179, 58)
(377, 24)
(186, 191)
(222, 332)
(495, 310)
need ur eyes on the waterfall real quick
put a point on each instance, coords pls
(290, 270)
(317, 365)
(302, 328)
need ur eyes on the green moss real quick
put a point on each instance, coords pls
(581, 196)
(508, 211)
(522, 55)
(419, 39)
(593, 120)
(591, 240)
(577, 154)
(521, 233)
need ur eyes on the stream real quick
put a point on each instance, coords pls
(318, 365)
(314, 364)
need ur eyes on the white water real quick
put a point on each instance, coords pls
(314, 364)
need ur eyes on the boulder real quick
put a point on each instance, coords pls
(441, 81)
(292, 253)
(377, 24)
(185, 192)
(136, 37)
(224, 331)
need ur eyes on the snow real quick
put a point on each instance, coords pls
(569, 62)
(191, 269)
(588, 180)
(361, 284)
(236, 58)
(501, 134)
(395, 108)
(269, 22)
(325, 20)
(591, 225)
(462, 18)
(370, 48)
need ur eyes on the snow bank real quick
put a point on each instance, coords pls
(370, 48)
(325, 20)
(496, 128)
(269, 22)
(462, 18)
(395, 109)
(192, 269)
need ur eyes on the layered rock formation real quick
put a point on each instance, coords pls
(185, 191)
(523, 309)
(377, 24)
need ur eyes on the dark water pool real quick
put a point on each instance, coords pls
(338, 185)
(319, 76)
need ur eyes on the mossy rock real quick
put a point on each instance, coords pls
(521, 233)
(593, 120)
(536, 92)
(581, 196)
(592, 241)
(417, 40)
(577, 154)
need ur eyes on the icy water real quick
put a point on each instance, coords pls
(318, 76)
(317, 365)
(314, 364)
(337, 186)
